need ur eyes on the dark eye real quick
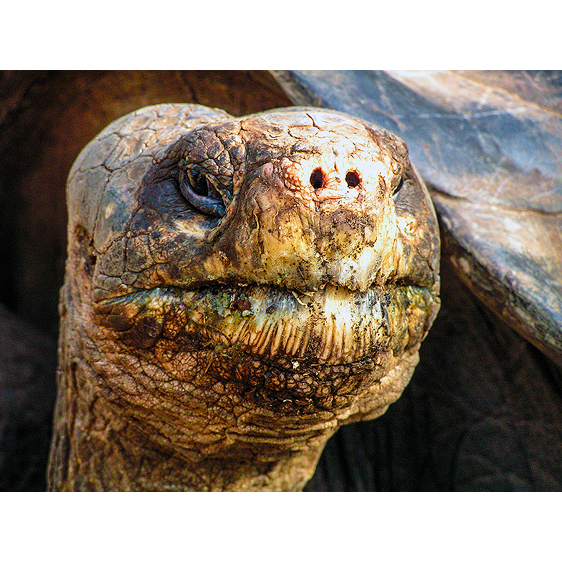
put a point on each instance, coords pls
(201, 193)
(199, 184)
(398, 187)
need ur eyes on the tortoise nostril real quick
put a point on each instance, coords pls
(317, 178)
(352, 178)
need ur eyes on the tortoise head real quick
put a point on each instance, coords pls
(249, 284)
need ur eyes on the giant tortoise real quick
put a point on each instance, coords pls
(311, 215)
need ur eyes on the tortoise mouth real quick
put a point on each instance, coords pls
(332, 326)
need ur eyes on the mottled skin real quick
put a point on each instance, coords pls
(236, 289)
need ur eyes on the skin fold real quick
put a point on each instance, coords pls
(236, 289)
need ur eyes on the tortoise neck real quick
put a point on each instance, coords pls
(101, 445)
(116, 461)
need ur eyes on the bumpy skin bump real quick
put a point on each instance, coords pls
(236, 289)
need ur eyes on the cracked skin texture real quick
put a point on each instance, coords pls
(236, 289)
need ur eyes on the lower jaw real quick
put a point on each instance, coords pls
(283, 364)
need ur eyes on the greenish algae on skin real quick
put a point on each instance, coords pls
(259, 318)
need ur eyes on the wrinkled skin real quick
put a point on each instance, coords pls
(236, 289)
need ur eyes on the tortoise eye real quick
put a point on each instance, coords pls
(398, 187)
(199, 184)
(201, 193)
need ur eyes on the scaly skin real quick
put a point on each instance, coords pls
(236, 289)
